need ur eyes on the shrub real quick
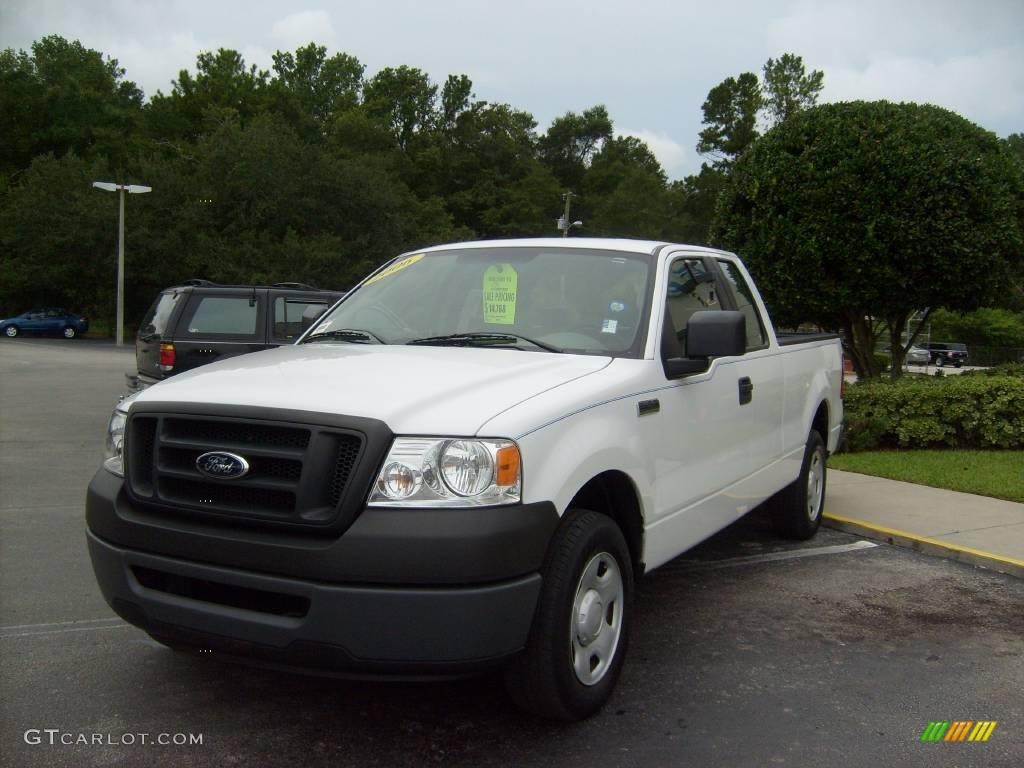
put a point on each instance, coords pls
(1003, 369)
(927, 412)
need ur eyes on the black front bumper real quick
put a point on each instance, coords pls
(418, 592)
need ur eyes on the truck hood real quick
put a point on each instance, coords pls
(415, 390)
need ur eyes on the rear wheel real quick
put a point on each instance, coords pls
(798, 507)
(579, 635)
(940, 360)
(70, 333)
(11, 331)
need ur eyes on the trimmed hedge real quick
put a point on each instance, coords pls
(936, 412)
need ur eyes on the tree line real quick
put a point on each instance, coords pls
(314, 171)
(852, 217)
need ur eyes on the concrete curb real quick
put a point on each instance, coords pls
(1007, 565)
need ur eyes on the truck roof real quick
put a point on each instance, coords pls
(603, 243)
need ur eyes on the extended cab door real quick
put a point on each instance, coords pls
(713, 428)
(220, 323)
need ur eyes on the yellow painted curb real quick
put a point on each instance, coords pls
(1009, 565)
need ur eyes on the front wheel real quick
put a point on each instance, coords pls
(578, 640)
(70, 333)
(940, 361)
(11, 331)
(798, 506)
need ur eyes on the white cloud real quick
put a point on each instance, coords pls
(672, 155)
(987, 88)
(298, 29)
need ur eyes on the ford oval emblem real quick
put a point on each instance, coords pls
(221, 465)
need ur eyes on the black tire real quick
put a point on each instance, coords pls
(797, 508)
(11, 331)
(958, 364)
(940, 360)
(70, 333)
(543, 680)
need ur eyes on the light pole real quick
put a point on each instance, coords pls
(563, 222)
(134, 189)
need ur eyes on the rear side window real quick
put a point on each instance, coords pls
(155, 321)
(223, 315)
(289, 314)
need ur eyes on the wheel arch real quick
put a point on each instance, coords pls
(614, 494)
(820, 423)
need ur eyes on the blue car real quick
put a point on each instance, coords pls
(46, 320)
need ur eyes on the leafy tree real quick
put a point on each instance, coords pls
(695, 200)
(571, 143)
(221, 88)
(312, 88)
(987, 327)
(404, 100)
(788, 87)
(489, 175)
(849, 212)
(58, 237)
(64, 97)
(734, 107)
(1015, 143)
(730, 114)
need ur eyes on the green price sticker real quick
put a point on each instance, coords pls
(500, 282)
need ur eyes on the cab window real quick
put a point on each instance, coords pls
(756, 336)
(691, 288)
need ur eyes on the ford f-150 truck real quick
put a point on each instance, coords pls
(465, 463)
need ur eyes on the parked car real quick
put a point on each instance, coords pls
(465, 464)
(918, 356)
(198, 322)
(942, 352)
(48, 320)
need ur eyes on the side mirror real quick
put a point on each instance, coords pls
(709, 334)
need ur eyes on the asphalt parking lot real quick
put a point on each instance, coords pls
(749, 651)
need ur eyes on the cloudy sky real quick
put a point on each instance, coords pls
(651, 62)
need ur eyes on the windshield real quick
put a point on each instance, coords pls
(538, 299)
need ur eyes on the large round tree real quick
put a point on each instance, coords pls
(854, 216)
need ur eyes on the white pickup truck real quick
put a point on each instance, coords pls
(466, 462)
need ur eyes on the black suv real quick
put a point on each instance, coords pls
(942, 352)
(198, 322)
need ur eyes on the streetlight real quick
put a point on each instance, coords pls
(563, 224)
(134, 189)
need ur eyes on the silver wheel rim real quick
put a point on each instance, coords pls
(69, 333)
(11, 331)
(596, 622)
(815, 485)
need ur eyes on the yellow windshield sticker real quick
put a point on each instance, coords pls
(500, 281)
(398, 266)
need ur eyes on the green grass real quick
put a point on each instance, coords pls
(988, 473)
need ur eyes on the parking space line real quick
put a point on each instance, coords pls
(7, 635)
(771, 557)
(72, 623)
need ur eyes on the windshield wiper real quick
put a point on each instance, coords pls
(351, 335)
(469, 339)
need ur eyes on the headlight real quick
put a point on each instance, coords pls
(113, 459)
(448, 472)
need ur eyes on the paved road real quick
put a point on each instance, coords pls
(835, 656)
